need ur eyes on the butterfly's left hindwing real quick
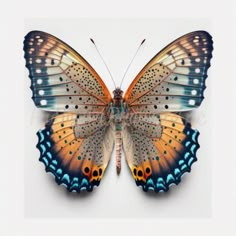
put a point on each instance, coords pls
(76, 149)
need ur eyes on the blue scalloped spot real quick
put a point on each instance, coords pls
(75, 180)
(194, 136)
(181, 162)
(52, 167)
(48, 144)
(59, 171)
(49, 155)
(177, 172)
(170, 178)
(43, 148)
(191, 160)
(45, 161)
(41, 137)
(193, 147)
(84, 182)
(184, 167)
(187, 143)
(65, 177)
(150, 182)
(186, 155)
(160, 186)
(54, 162)
(74, 186)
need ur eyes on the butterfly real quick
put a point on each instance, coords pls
(77, 141)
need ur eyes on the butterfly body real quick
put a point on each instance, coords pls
(76, 144)
(118, 110)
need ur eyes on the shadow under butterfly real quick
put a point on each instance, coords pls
(76, 144)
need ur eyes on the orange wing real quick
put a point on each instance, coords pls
(159, 159)
(174, 79)
(61, 79)
(76, 149)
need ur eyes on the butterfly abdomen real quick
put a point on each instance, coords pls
(118, 113)
(118, 148)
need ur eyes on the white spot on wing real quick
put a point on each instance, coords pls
(41, 92)
(43, 102)
(191, 102)
(38, 60)
(39, 81)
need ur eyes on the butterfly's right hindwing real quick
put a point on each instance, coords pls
(160, 156)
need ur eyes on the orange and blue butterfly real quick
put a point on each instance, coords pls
(76, 144)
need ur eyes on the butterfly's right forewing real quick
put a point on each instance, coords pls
(174, 79)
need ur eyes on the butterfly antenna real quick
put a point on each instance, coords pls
(132, 61)
(103, 60)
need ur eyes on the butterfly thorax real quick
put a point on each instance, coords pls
(118, 105)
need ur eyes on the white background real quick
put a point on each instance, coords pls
(117, 196)
(219, 222)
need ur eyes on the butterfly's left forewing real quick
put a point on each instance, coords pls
(161, 146)
(75, 146)
(61, 79)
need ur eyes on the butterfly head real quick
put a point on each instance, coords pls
(118, 94)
